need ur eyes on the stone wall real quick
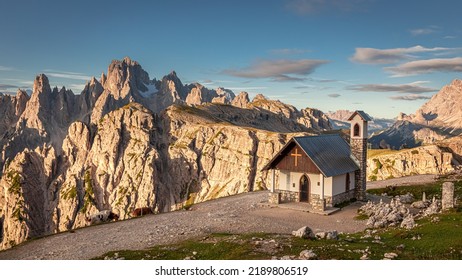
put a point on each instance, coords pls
(359, 150)
(274, 198)
(289, 196)
(317, 203)
(342, 197)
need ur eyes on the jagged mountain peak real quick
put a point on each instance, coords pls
(103, 78)
(259, 97)
(41, 85)
(124, 75)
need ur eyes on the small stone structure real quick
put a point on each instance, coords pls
(448, 196)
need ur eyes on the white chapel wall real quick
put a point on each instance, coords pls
(338, 185)
(290, 181)
(339, 181)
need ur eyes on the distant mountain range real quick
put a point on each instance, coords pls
(339, 120)
(440, 118)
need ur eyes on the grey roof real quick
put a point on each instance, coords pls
(330, 153)
(363, 115)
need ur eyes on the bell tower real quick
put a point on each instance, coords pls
(358, 146)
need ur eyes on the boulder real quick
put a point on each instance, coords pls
(332, 235)
(408, 222)
(420, 204)
(307, 255)
(405, 198)
(304, 232)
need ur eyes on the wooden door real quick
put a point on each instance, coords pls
(304, 189)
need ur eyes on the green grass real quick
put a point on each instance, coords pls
(440, 240)
(381, 152)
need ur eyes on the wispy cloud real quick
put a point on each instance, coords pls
(426, 66)
(424, 31)
(413, 88)
(246, 88)
(388, 56)
(334, 95)
(67, 75)
(449, 37)
(278, 70)
(4, 68)
(309, 7)
(7, 86)
(288, 51)
(409, 97)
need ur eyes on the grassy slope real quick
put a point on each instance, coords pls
(429, 240)
(440, 240)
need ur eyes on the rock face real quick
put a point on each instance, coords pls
(128, 142)
(423, 160)
(439, 118)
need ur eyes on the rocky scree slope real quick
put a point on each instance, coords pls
(127, 141)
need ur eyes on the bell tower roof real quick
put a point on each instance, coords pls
(365, 117)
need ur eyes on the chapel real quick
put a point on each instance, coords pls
(322, 170)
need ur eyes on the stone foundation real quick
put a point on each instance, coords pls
(317, 203)
(288, 196)
(315, 200)
(274, 198)
(339, 198)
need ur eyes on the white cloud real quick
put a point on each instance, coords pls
(246, 88)
(423, 31)
(409, 97)
(388, 56)
(4, 68)
(309, 7)
(67, 75)
(413, 88)
(7, 86)
(278, 70)
(427, 66)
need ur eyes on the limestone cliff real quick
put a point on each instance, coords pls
(385, 164)
(127, 141)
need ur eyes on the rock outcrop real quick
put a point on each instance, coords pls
(423, 160)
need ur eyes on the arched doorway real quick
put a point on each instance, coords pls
(304, 189)
(347, 182)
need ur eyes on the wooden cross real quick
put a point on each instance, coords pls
(296, 155)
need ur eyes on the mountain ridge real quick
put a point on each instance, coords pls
(439, 118)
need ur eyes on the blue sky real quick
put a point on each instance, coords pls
(383, 57)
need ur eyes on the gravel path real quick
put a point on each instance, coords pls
(402, 181)
(235, 214)
(242, 213)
